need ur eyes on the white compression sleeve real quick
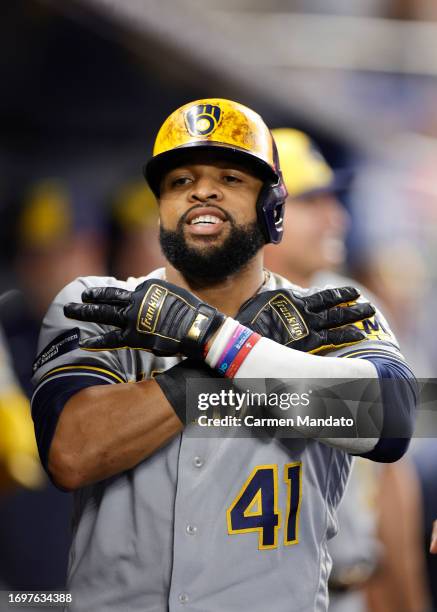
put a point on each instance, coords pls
(268, 359)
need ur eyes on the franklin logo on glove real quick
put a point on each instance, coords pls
(151, 306)
(290, 317)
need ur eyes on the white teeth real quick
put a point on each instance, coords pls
(205, 219)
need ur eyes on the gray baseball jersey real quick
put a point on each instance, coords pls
(204, 525)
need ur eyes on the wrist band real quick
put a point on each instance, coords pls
(242, 354)
(231, 347)
(220, 342)
(230, 343)
(237, 340)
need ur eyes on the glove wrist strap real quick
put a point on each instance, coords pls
(205, 322)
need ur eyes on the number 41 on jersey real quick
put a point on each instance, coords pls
(256, 506)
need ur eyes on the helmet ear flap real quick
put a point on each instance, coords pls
(271, 204)
(270, 210)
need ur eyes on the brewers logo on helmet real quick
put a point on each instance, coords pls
(235, 132)
(203, 119)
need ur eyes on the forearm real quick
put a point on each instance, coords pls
(104, 430)
(384, 416)
(267, 359)
(271, 360)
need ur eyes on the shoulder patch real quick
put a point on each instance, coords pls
(64, 343)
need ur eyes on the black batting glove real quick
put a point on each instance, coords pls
(158, 317)
(313, 323)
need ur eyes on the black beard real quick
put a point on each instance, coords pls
(210, 266)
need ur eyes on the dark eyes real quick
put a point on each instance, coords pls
(180, 181)
(230, 178)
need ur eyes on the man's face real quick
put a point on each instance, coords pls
(209, 226)
(314, 234)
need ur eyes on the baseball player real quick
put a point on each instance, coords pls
(164, 520)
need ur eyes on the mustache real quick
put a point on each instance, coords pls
(183, 219)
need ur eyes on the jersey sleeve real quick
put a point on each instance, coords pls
(398, 386)
(62, 368)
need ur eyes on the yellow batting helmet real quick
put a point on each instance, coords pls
(304, 169)
(238, 133)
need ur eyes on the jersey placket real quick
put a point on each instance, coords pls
(190, 526)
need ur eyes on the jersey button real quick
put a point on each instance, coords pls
(198, 462)
(191, 529)
(183, 598)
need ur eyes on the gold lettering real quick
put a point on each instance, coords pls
(147, 321)
(291, 319)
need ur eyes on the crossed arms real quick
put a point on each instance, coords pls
(104, 429)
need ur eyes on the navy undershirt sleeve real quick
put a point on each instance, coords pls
(48, 403)
(399, 391)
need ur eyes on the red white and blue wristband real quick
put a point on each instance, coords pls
(231, 347)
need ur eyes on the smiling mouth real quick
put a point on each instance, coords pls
(205, 220)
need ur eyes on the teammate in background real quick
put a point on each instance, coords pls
(56, 239)
(162, 519)
(311, 254)
(315, 223)
(19, 463)
(133, 231)
(405, 578)
(433, 544)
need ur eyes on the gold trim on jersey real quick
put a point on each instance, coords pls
(82, 367)
(334, 347)
(255, 508)
(385, 352)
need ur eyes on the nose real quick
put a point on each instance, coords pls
(205, 189)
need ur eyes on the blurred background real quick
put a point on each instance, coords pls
(85, 86)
